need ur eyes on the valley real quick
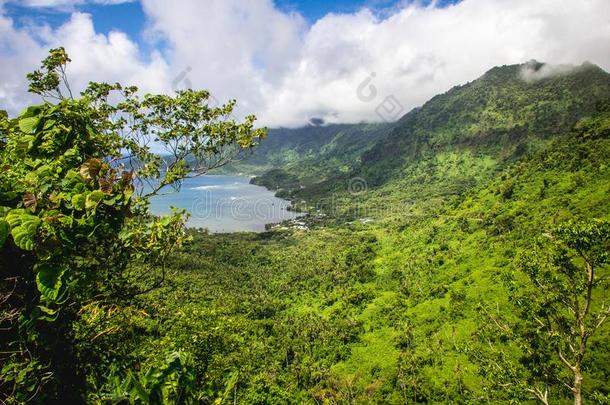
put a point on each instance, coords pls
(398, 291)
(459, 255)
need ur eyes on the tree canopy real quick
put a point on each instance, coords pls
(75, 177)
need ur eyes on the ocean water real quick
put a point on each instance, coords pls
(225, 204)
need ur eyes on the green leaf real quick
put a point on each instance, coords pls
(4, 231)
(93, 199)
(128, 193)
(48, 314)
(48, 280)
(4, 210)
(78, 201)
(30, 111)
(228, 388)
(111, 201)
(28, 125)
(47, 310)
(23, 228)
(48, 124)
(139, 390)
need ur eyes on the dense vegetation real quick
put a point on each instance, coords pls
(76, 238)
(479, 275)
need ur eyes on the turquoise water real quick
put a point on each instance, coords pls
(225, 204)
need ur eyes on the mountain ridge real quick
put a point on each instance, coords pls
(500, 114)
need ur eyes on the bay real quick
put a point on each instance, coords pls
(225, 204)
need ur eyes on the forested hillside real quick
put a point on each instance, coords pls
(428, 299)
(309, 154)
(421, 305)
(460, 255)
(472, 130)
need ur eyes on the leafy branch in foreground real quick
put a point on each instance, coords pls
(568, 307)
(75, 178)
(561, 300)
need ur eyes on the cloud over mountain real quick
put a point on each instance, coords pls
(343, 68)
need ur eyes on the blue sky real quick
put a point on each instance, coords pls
(130, 18)
(126, 17)
(312, 10)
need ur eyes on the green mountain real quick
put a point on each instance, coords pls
(499, 114)
(310, 154)
(406, 284)
(392, 294)
(475, 130)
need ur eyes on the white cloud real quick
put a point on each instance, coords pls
(18, 53)
(110, 58)
(415, 53)
(66, 3)
(287, 72)
(533, 71)
(237, 49)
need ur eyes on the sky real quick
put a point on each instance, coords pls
(293, 62)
